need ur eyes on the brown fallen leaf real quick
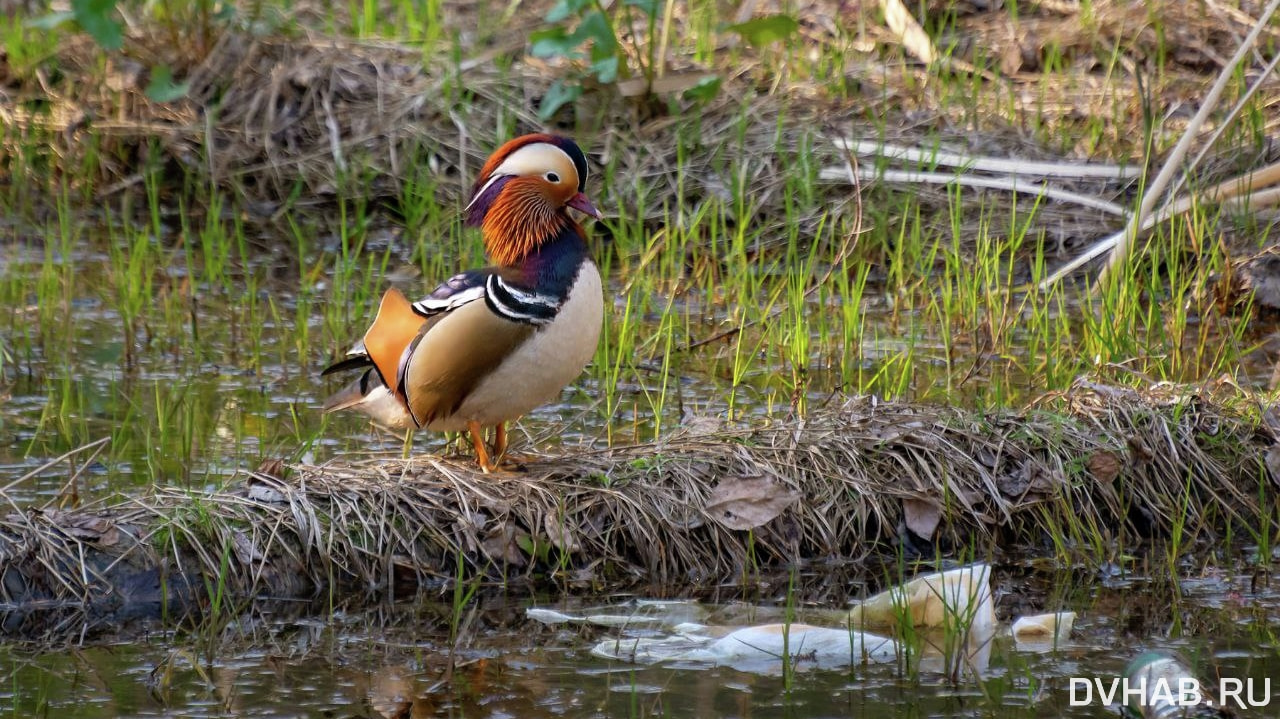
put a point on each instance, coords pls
(922, 517)
(86, 528)
(501, 544)
(748, 502)
(1104, 465)
(273, 467)
(1029, 478)
(561, 536)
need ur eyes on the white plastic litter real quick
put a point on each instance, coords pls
(955, 610)
(956, 598)
(1045, 630)
(757, 648)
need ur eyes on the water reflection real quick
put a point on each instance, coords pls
(394, 660)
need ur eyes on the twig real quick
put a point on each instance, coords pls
(1226, 121)
(908, 31)
(1010, 183)
(1231, 191)
(1010, 166)
(71, 483)
(1120, 253)
(65, 455)
(335, 134)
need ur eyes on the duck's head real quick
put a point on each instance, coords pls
(523, 193)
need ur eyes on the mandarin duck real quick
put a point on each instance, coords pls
(489, 345)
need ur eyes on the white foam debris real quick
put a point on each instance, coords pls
(958, 597)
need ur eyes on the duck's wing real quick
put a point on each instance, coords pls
(434, 352)
(501, 290)
(465, 340)
(399, 322)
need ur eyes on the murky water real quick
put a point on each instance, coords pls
(394, 660)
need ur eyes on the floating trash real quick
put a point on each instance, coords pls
(1043, 631)
(955, 607)
(956, 598)
(1160, 686)
(759, 649)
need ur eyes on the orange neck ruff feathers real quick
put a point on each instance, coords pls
(521, 218)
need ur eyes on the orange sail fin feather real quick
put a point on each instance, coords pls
(393, 329)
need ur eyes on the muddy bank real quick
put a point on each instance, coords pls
(1093, 466)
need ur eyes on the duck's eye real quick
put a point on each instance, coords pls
(552, 177)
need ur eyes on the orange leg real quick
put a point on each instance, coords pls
(482, 455)
(500, 440)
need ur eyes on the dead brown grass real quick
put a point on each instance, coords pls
(1097, 468)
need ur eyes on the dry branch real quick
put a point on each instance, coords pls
(908, 31)
(1153, 194)
(1007, 183)
(981, 163)
(1253, 190)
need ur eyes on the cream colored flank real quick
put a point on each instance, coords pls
(552, 357)
(380, 405)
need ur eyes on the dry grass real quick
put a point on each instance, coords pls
(273, 118)
(1096, 467)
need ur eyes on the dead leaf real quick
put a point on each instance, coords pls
(245, 549)
(86, 528)
(1030, 478)
(1105, 466)
(272, 467)
(1140, 450)
(501, 544)
(560, 535)
(922, 517)
(748, 502)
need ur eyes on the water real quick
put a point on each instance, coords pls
(393, 660)
(218, 378)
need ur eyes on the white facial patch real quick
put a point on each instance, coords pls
(533, 159)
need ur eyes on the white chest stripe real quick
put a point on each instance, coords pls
(527, 298)
(518, 305)
(432, 306)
